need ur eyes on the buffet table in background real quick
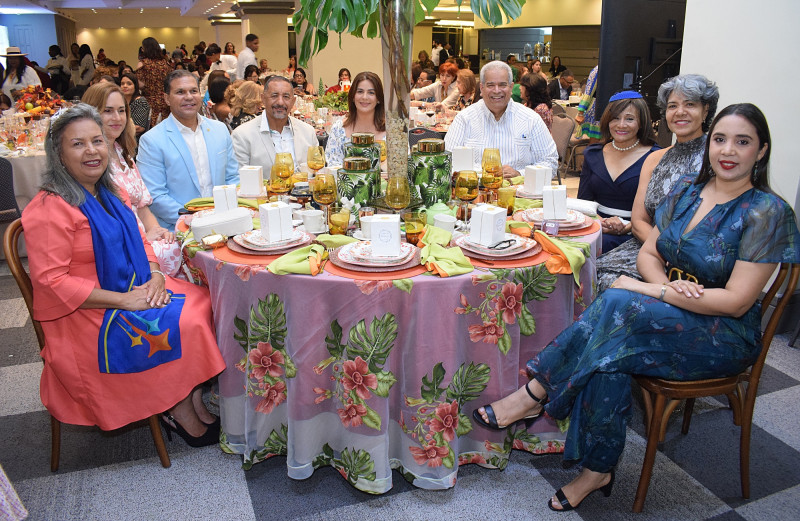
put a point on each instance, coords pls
(379, 371)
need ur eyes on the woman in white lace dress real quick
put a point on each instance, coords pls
(118, 128)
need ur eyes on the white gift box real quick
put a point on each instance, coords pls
(462, 159)
(536, 177)
(251, 180)
(385, 235)
(487, 225)
(554, 202)
(232, 222)
(276, 221)
(574, 100)
(224, 198)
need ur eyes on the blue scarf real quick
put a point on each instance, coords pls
(129, 341)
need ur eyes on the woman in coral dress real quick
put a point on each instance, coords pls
(123, 341)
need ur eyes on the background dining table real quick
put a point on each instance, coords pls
(27, 171)
(369, 372)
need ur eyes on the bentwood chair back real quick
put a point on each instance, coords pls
(661, 397)
(561, 131)
(415, 134)
(11, 250)
(9, 210)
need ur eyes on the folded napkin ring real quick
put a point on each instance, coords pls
(677, 274)
(503, 245)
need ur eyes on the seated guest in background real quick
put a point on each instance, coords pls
(535, 67)
(228, 60)
(251, 73)
(662, 328)
(444, 90)
(496, 121)
(116, 116)
(246, 103)
(139, 108)
(263, 69)
(301, 85)
(5, 102)
(610, 174)
(366, 113)
(18, 76)
(426, 77)
(247, 57)
(468, 92)
(186, 155)
(220, 110)
(344, 77)
(123, 341)
(561, 87)
(257, 141)
(216, 62)
(123, 68)
(555, 67)
(688, 103)
(425, 61)
(533, 91)
(292, 65)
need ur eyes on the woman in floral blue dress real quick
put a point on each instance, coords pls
(727, 229)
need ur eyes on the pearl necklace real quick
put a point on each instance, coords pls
(614, 144)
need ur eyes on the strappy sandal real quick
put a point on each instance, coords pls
(565, 504)
(492, 423)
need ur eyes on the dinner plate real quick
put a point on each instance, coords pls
(255, 238)
(518, 244)
(523, 244)
(527, 195)
(361, 253)
(536, 215)
(298, 238)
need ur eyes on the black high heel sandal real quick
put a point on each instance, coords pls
(565, 505)
(210, 437)
(492, 423)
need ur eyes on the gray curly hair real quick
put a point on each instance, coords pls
(694, 87)
(57, 180)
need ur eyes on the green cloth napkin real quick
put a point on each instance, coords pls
(297, 261)
(209, 202)
(517, 180)
(575, 252)
(445, 262)
(334, 241)
(519, 228)
(435, 235)
(524, 204)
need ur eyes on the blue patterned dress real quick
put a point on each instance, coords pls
(587, 369)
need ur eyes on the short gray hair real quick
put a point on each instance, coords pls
(57, 180)
(694, 87)
(499, 65)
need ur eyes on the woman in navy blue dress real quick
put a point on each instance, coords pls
(610, 174)
(728, 230)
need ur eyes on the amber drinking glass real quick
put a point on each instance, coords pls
(415, 223)
(323, 190)
(398, 193)
(338, 219)
(505, 198)
(492, 169)
(280, 176)
(466, 190)
(315, 159)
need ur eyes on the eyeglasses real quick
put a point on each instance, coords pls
(503, 245)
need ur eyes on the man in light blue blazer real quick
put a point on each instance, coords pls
(186, 155)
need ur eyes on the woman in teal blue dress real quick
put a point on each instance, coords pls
(728, 230)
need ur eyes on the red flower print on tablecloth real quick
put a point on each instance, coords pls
(489, 332)
(358, 377)
(274, 395)
(430, 455)
(510, 302)
(265, 361)
(352, 413)
(446, 420)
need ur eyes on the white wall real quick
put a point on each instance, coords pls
(747, 50)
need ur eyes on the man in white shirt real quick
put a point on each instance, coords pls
(498, 122)
(218, 61)
(247, 56)
(186, 155)
(257, 141)
(435, 52)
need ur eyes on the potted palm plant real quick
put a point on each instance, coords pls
(394, 21)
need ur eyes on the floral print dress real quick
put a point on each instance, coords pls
(587, 369)
(151, 77)
(129, 179)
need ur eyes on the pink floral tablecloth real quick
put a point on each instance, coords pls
(370, 376)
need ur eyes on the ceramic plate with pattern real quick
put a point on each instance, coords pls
(298, 238)
(536, 215)
(254, 238)
(361, 253)
(522, 245)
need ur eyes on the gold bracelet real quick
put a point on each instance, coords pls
(663, 291)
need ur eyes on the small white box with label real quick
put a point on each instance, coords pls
(554, 202)
(385, 235)
(251, 180)
(276, 221)
(536, 177)
(224, 198)
(487, 225)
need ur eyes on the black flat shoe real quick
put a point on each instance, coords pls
(492, 423)
(210, 437)
(565, 505)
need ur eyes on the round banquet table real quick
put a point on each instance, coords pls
(27, 172)
(369, 372)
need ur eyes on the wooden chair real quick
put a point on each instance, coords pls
(661, 397)
(11, 249)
